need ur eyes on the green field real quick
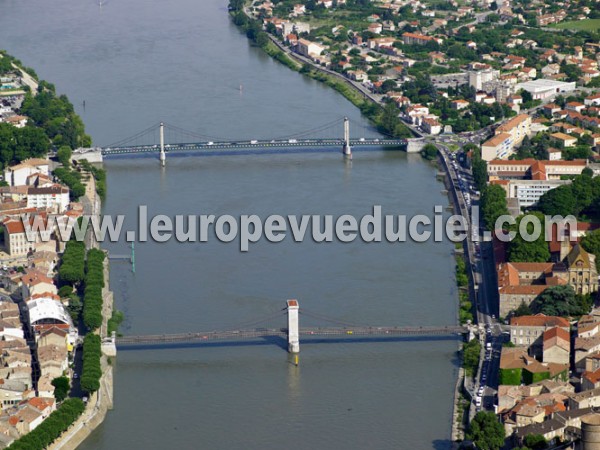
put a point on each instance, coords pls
(587, 24)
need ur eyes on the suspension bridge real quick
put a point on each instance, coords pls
(164, 138)
(293, 332)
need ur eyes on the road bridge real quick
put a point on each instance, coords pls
(293, 332)
(154, 140)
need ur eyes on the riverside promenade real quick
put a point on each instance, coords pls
(100, 402)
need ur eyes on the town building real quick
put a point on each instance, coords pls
(17, 175)
(545, 88)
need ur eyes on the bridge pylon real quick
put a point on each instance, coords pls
(293, 327)
(163, 155)
(347, 149)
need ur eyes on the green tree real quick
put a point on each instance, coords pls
(591, 244)
(64, 155)
(65, 291)
(493, 205)
(486, 431)
(510, 377)
(535, 442)
(471, 352)
(523, 310)
(429, 152)
(61, 388)
(388, 119)
(561, 301)
(388, 85)
(521, 250)
(479, 167)
(559, 201)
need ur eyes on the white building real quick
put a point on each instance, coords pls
(45, 312)
(542, 89)
(528, 192)
(479, 77)
(294, 28)
(17, 175)
(308, 48)
(55, 197)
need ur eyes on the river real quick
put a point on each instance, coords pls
(136, 63)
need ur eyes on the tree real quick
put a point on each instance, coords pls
(74, 306)
(591, 244)
(64, 155)
(471, 352)
(61, 388)
(388, 121)
(559, 201)
(523, 310)
(535, 442)
(429, 152)
(560, 301)
(51, 428)
(479, 166)
(65, 291)
(493, 205)
(521, 250)
(486, 432)
(388, 85)
(92, 371)
(526, 96)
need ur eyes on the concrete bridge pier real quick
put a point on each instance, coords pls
(347, 149)
(293, 327)
(163, 155)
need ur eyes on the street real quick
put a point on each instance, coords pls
(480, 261)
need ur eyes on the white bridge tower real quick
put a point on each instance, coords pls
(293, 328)
(163, 155)
(347, 150)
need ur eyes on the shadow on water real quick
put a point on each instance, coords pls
(442, 444)
(282, 342)
(456, 360)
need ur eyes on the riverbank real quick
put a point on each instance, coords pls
(101, 401)
(383, 115)
(464, 284)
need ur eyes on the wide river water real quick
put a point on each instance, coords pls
(137, 62)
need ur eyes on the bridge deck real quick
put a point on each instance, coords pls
(258, 144)
(282, 332)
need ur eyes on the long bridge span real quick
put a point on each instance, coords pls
(292, 333)
(163, 138)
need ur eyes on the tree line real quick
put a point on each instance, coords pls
(51, 428)
(92, 370)
(94, 283)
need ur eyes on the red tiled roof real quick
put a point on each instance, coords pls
(539, 320)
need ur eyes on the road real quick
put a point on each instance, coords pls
(479, 258)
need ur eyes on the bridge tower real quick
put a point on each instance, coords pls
(293, 328)
(163, 155)
(347, 150)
